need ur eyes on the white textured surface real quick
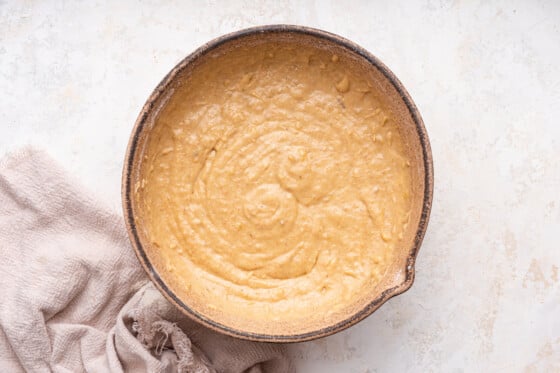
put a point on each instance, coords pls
(486, 78)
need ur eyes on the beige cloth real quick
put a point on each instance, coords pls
(73, 297)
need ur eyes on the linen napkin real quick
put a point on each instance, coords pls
(73, 297)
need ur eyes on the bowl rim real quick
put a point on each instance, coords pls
(426, 203)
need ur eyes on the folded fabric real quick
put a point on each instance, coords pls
(74, 297)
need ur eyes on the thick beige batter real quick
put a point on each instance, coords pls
(275, 184)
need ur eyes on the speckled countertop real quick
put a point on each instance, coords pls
(486, 78)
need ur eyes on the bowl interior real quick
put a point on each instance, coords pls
(396, 102)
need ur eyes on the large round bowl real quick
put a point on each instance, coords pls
(400, 275)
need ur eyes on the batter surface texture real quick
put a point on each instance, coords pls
(274, 183)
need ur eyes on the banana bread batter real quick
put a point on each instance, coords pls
(274, 183)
